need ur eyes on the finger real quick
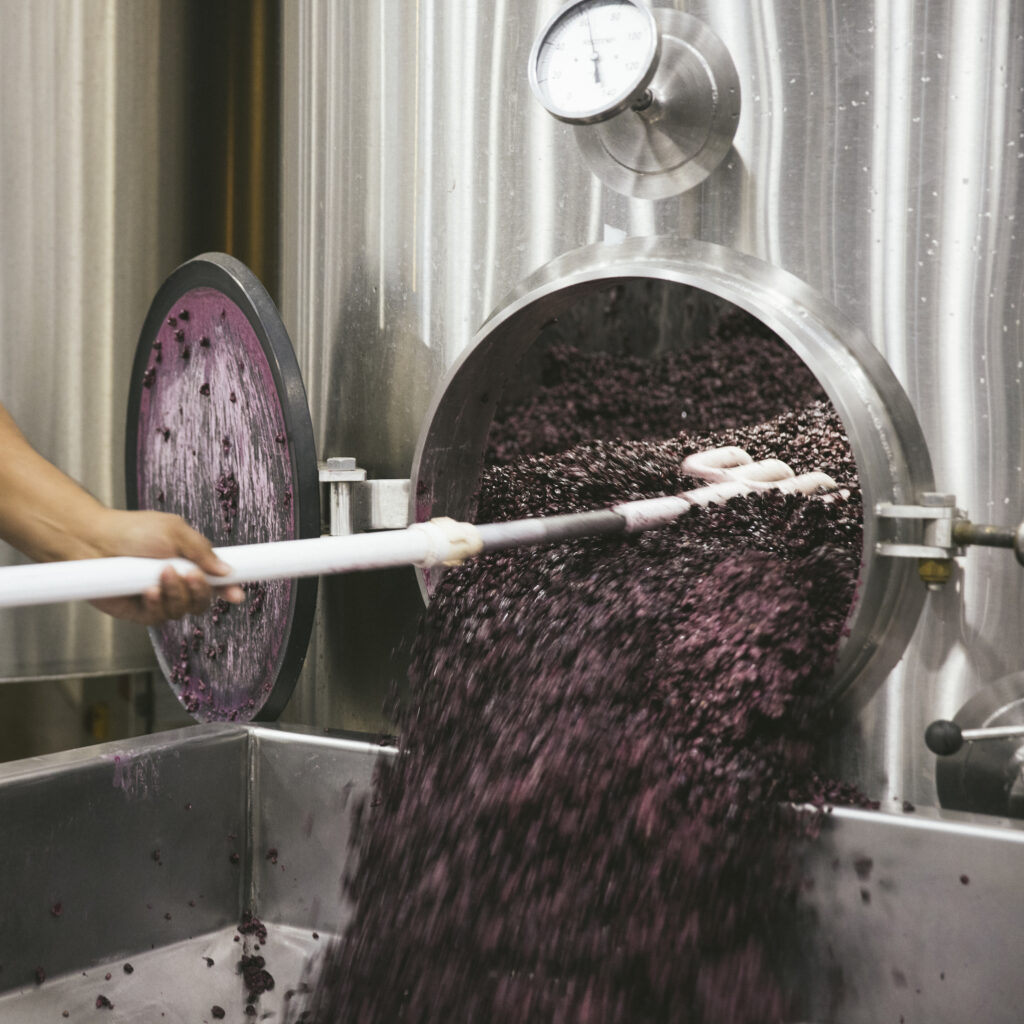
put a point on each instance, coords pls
(174, 595)
(233, 594)
(199, 592)
(144, 609)
(196, 548)
(150, 609)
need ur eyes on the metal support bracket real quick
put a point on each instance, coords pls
(939, 515)
(358, 505)
(947, 533)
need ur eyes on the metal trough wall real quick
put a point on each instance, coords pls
(124, 855)
(910, 917)
(151, 854)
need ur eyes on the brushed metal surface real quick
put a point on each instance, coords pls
(984, 775)
(82, 828)
(910, 915)
(676, 141)
(134, 136)
(877, 159)
(172, 984)
(89, 216)
(151, 851)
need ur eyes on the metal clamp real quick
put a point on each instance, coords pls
(358, 505)
(939, 514)
(947, 532)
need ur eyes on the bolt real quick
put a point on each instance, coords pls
(935, 572)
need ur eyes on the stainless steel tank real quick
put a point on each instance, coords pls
(133, 134)
(873, 182)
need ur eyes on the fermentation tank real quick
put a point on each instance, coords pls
(848, 173)
(435, 215)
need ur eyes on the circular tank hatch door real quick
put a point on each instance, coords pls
(219, 433)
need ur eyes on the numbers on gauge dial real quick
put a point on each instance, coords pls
(594, 56)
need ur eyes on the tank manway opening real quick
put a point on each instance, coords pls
(620, 394)
(591, 817)
(583, 394)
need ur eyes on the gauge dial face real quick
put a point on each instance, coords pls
(594, 58)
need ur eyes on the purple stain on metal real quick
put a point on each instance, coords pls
(233, 408)
(424, 502)
(227, 496)
(257, 598)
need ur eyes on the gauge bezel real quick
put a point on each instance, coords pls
(628, 97)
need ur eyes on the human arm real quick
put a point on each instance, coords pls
(49, 517)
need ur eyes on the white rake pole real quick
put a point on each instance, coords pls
(438, 542)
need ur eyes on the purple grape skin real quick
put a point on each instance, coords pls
(252, 925)
(589, 821)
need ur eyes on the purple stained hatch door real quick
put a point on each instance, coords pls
(219, 433)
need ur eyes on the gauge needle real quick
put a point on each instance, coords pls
(594, 55)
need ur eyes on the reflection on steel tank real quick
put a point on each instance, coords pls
(876, 163)
(135, 135)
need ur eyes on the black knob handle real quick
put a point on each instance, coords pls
(943, 737)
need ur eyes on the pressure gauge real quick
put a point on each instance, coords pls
(594, 59)
(651, 94)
